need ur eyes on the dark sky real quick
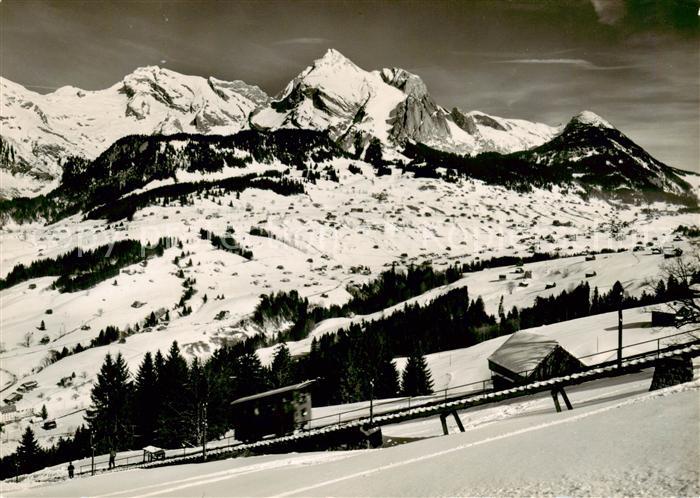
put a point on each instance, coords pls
(635, 62)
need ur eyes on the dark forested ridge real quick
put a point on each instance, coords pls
(80, 269)
(133, 161)
(390, 288)
(180, 193)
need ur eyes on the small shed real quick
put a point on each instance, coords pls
(672, 252)
(151, 453)
(526, 357)
(279, 411)
(13, 398)
(28, 386)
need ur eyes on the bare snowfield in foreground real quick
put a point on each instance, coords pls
(623, 440)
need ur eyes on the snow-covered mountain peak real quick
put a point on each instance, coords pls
(334, 95)
(334, 74)
(41, 130)
(590, 118)
(333, 58)
(392, 105)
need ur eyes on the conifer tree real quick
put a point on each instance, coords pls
(660, 290)
(595, 302)
(111, 396)
(159, 365)
(146, 401)
(416, 379)
(386, 385)
(250, 378)
(173, 382)
(29, 454)
(198, 395)
(44, 412)
(373, 154)
(281, 369)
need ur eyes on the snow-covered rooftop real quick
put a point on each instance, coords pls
(523, 351)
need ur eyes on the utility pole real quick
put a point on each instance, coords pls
(92, 460)
(371, 401)
(204, 431)
(619, 334)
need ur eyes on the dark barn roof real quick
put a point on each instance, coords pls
(274, 392)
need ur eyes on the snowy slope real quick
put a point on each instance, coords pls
(496, 134)
(618, 440)
(43, 129)
(320, 238)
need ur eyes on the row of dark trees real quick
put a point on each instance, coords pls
(550, 164)
(125, 207)
(390, 288)
(80, 269)
(226, 242)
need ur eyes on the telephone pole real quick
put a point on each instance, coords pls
(619, 334)
(204, 431)
(371, 401)
(92, 459)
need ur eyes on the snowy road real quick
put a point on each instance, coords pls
(641, 444)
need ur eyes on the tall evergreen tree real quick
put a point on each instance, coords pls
(146, 401)
(249, 375)
(373, 154)
(159, 365)
(386, 385)
(111, 396)
(660, 290)
(595, 302)
(282, 367)
(29, 454)
(416, 379)
(198, 396)
(173, 383)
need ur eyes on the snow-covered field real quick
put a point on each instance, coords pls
(321, 239)
(649, 441)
